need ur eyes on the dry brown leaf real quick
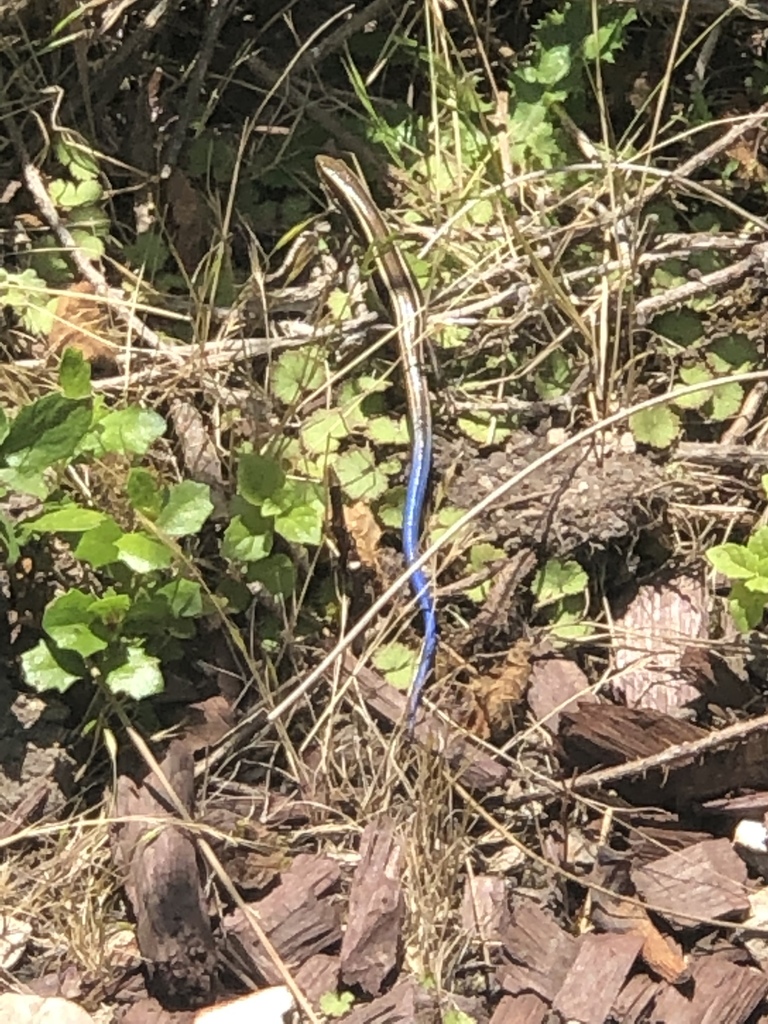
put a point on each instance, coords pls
(365, 533)
(749, 167)
(497, 694)
(82, 324)
(660, 953)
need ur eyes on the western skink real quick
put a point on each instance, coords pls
(404, 297)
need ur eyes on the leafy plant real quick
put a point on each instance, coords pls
(746, 565)
(560, 590)
(336, 1004)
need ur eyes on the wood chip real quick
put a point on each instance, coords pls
(297, 920)
(484, 911)
(540, 950)
(372, 944)
(650, 639)
(407, 1003)
(703, 882)
(596, 976)
(526, 1008)
(557, 684)
(721, 993)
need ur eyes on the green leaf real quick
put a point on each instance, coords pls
(746, 608)
(388, 430)
(45, 432)
(188, 506)
(683, 327)
(458, 1017)
(694, 375)
(325, 428)
(558, 579)
(8, 539)
(248, 537)
(130, 431)
(397, 663)
(144, 493)
(258, 478)
(277, 573)
(726, 401)
(359, 474)
(184, 597)
(67, 620)
(142, 553)
(46, 669)
(110, 609)
(758, 544)
(25, 483)
(297, 373)
(336, 1004)
(74, 375)
(138, 677)
(69, 194)
(80, 163)
(70, 519)
(98, 547)
(554, 65)
(658, 427)
(732, 353)
(299, 510)
(734, 561)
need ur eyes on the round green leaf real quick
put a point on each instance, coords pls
(138, 677)
(131, 430)
(44, 669)
(258, 478)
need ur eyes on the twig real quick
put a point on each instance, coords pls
(36, 188)
(219, 12)
(727, 277)
(664, 759)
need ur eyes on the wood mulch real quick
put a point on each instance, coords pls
(643, 899)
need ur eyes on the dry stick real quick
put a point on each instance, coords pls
(215, 23)
(646, 309)
(335, 40)
(478, 509)
(664, 759)
(472, 804)
(218, 869)
(107, 80)
(36, 187)
(743, 420)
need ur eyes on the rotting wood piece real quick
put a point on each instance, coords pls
(596, 976)
(557, 684)
(372, 945)
(296, 918)
(162, 882)
(677, 763)
(706, 881)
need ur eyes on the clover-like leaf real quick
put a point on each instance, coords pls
(658, 427)
(359, 474)
(397, 663)
(296, 373)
